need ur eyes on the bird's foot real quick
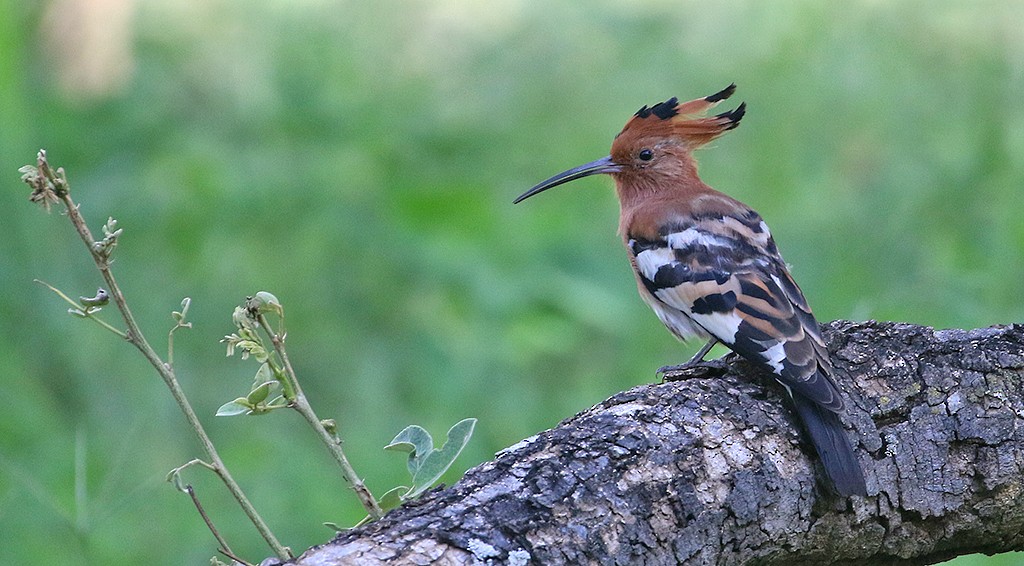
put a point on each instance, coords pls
(693, 369)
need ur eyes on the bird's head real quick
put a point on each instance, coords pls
(656, 142)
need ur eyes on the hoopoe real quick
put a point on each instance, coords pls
(708, 266)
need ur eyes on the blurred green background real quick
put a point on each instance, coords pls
(359, 160)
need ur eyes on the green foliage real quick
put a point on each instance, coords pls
(270, 377)
(363, 167)
(426, 464)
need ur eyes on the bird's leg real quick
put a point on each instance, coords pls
(696, 359)
(699, 356)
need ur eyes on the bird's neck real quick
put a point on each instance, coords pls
(653, 196)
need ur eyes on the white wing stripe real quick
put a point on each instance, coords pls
(690, 236)
(650, 261)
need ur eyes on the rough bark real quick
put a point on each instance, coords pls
(712, 469)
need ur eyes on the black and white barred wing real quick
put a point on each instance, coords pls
(724, 276)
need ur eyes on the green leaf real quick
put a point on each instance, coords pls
(179, 316)
(258, 395)
(239, 406)
(240, 317)
(393, 498)
(438, 461)
(415, 440)
(263, 375)
(260, 354)
(277, 402)
(175, 478)
(265, 302)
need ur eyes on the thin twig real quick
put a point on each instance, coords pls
(235, 558)
(224, 548)
(301, 404)
(84, 311)
(179, 322)
(101, 257)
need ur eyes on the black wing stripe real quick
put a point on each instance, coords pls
(750, 288)
(678, 273)
(717, 302)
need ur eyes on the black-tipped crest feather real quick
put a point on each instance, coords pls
(663, 110)
(734, 116)
(722, 94)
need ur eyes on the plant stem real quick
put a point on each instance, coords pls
(135, 337)
(301, 404)
(224, 548)
(85, 313)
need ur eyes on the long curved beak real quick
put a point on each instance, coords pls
(603, 165)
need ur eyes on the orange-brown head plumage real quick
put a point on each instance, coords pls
(654, 147)
(656, 144)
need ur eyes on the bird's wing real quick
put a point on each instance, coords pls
(725, 273)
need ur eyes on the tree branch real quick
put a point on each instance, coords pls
(712, 470)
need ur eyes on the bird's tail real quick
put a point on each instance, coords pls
(829, 438)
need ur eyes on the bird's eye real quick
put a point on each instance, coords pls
(645, 155)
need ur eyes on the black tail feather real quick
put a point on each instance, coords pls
(826, 432)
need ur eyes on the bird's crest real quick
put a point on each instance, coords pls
(686, 120)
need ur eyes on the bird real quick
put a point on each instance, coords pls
(709, 268)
